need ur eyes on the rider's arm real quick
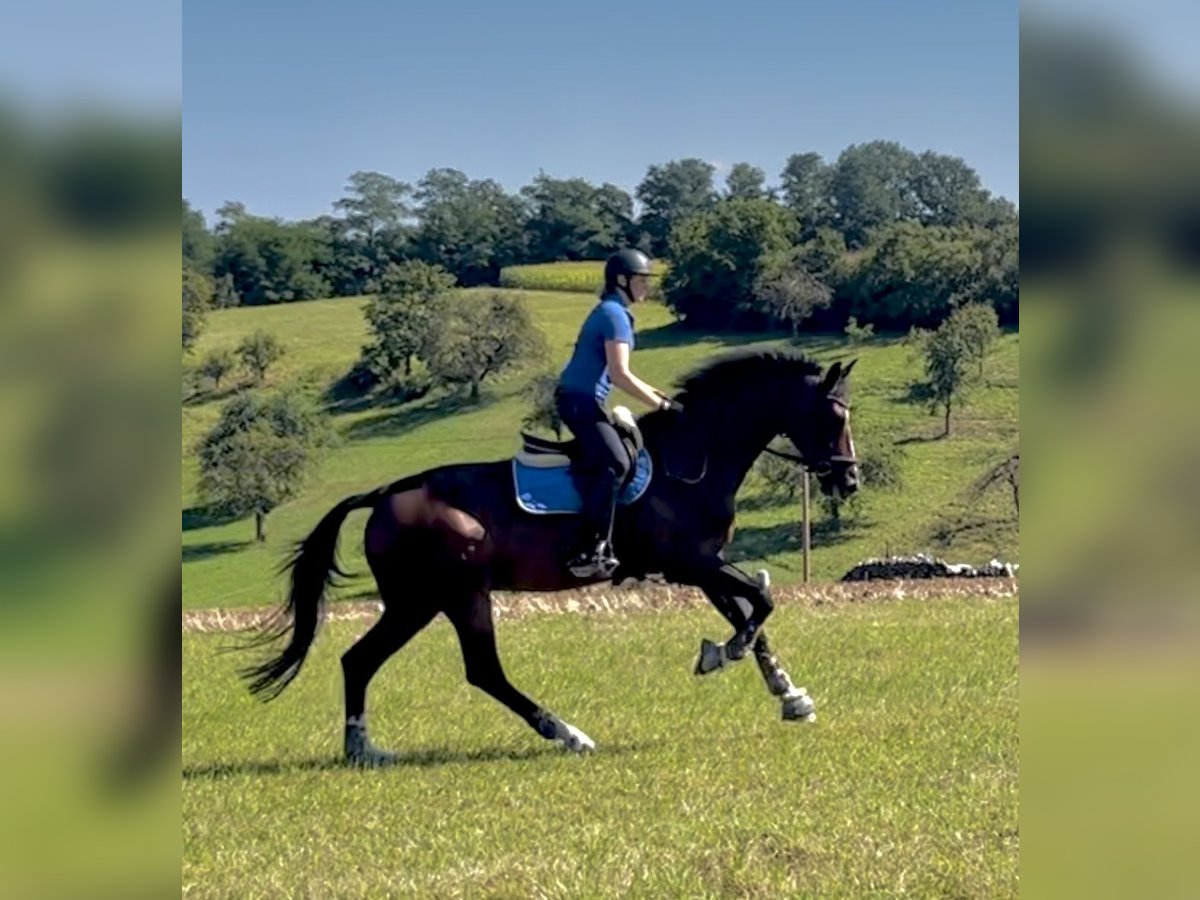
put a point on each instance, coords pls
(617, 354)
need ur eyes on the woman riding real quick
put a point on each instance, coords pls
(600, 361)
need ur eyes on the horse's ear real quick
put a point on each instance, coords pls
(850, 365)
(832, 377)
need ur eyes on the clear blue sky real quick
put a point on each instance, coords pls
(283, 100)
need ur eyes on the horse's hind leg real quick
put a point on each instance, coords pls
(472, 619)
(396, 627)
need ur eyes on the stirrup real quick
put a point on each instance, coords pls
(599, 561)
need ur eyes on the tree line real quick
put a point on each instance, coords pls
(892, 237)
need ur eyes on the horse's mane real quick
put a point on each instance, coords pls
(740, 371)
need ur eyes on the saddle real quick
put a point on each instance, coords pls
(542, 476)
(542, 453)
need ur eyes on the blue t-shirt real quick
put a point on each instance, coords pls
(587, 370)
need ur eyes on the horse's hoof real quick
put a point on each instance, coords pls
(575, 740)
(799, 707)
(740, 642)
(567, 735)
(711, 657)
(360, 752)
(736, 648)
(371, 758)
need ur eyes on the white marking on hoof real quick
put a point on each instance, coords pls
(573, 739)
(798, 706)
(570, 737)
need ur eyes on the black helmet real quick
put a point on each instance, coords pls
(625, 262)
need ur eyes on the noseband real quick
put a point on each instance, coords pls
(825, 466)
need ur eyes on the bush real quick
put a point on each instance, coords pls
(882, 468)
(543, 412)
(217, 365)
(260, 351)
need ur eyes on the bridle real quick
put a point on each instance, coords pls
(825, 466)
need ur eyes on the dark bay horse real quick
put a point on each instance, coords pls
(443, 539)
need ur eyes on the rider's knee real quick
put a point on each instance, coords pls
(620, 468)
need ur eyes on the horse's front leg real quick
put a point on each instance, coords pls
(726, 586)
(796, 703)
(728, 579)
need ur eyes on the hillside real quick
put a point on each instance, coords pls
(223, 566)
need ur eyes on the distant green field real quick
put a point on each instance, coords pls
(907, 783)
(585, 277)
(223, 566)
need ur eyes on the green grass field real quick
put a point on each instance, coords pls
(223, 566)
(584, 276)
(907, 783)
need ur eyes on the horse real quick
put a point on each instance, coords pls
(441, 540)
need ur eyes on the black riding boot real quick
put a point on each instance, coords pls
(595, 557)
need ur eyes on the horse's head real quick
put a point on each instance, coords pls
(821, 432)
(747, 397)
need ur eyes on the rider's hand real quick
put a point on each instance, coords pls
(666, 403)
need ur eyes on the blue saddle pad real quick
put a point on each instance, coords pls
(552, 491)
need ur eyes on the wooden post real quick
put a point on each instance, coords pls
(806, 531)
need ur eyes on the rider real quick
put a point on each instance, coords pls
(599, 361)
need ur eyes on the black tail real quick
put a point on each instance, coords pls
(314, 567)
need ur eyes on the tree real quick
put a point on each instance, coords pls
(197, 301)
(543, 411)
(572, 219)
(271, 261)
(229, 214)
(376, 204)
(259, 351)
(670, 194)
(870, 187)
(1007, 472)
(746, 182)
(616, 206)
(217, 365)
(198, 247)
(470, 228)
(947, 357)
(999, 279)
(225, 295)
(372, 229)
(257, 455)
(805, 182)
(980, 330)
(948, 192)
(481, 337)
(404, 316)
(822, 252)
(787, 292)
(717, 257)
(916, 274)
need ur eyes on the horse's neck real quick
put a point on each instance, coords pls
(736, 442)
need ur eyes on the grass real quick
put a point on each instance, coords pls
(585, 276)
(223, 566)
(906, 783)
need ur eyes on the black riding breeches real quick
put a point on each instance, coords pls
(602, 464)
